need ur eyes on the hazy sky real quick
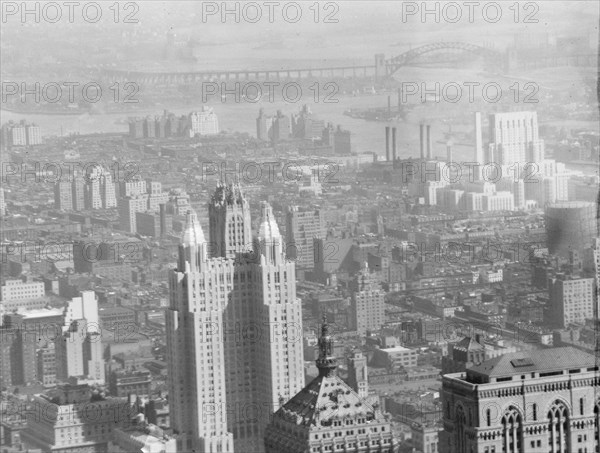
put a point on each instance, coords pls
(361, 28)
(358, 19)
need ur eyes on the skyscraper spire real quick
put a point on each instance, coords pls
(269, 230)
(230, 227)
(193, 247)
(204, 291)
(192, 234)
(270, 241)
(326, 362)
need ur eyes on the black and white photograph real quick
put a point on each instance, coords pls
(312, 226)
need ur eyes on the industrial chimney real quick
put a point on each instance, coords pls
(429, 141)
(478, 140)
(387, 143)
(389, 106)
(449, 151)
(422, 140)
(394, 143)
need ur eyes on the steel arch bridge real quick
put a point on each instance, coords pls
(406, 58)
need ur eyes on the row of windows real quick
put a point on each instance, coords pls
(345, 446)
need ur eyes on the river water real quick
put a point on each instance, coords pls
(367, 136)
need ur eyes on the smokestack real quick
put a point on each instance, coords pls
(399, 100)
(394, 143)
(478, 143)
(387, 143)
(163, 219)
(422, 140)
(429, 141)
(389, 106)
(449, 151)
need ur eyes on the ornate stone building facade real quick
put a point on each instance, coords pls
(328, 415)
(232, 330)
(525, 402)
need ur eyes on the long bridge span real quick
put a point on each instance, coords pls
(495, 60)
(381, 68)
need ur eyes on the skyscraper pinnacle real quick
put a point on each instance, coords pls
(269, 231)
(228, 194)
(193, 234)
(326, 362)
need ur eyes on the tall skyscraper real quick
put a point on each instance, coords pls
(107, 191)
(92, 196)
(514, 138)
(368, 303)
(230, 229)
(33, 329)
(535, 401)
(79, 348)
(572, 300)
(233, 330)
(303, 226)
(78, 193)
(128, 207)
(79, 354)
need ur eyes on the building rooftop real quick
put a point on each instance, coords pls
(41, 313)
(326, 397)
(323, 399)
(546, 360)
(395, 349)
(468, 344)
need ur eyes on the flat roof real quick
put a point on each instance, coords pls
(41, 312)
(543, 360)
(396, 349)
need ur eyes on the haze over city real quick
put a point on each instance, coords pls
(265, 227)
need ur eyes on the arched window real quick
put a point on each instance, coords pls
(558, 427)
(512, 431)
(461, 421)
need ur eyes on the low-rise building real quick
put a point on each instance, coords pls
(74, 417)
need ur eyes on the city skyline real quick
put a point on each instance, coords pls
(300, 227)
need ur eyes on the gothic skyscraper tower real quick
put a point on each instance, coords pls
(229, 220)
(234, 330)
